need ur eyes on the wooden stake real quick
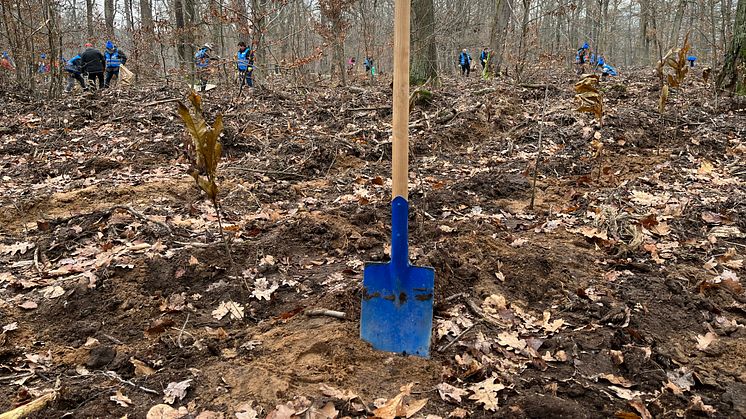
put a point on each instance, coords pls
(400, 158)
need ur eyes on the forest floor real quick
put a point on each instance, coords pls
(618, 294)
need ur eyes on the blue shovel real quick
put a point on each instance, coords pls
(397, 306)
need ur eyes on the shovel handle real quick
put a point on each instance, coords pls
(400, 123)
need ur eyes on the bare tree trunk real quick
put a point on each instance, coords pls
(109, 17)
(498, 34)
(673, 38)
(424, 52)
(89, 18)
(181, 51)
(733, 75)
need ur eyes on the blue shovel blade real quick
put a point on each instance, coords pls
(397, 306)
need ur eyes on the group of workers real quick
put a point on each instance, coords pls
(245, 57)
(99, 69)
(465, 61)
(597, 61)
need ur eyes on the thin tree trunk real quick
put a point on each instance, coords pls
(109, 17)
(89, 18)
(733, 76)
(424, 51)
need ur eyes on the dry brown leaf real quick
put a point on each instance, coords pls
(344, 395)
(485, 393)
(164, 411)
(121, 399)
(176, 390)
(704, 341)
(246, 411)
(615, 379)
(28, 305)
(511, 339)
(458, 413)
(141, 369)
(394, 407)
(641, 409)
(450, 393)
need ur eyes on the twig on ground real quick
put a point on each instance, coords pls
(112, 374)
(112, 338)
(29, 408)
(324, 312)
(265, 172)
(538, 153)
(457, 338)
(181, 332)
(160, 102)
(480, 313)
(139, 216)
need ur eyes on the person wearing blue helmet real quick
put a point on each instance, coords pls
(114, 59)
(202, 62)
(581, 56)
(43, 67)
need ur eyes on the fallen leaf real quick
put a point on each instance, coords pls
(52, 291)
(704, 341)
(263, 289)
(615, 379)
(511, 339)
(698, 405)
(344, 395)
(164, 411)
(412, 408)
(209, 414)
(394, 407)
(624, 393)
(193, 261)
(158, 326)
(246, 411)
(176, 390)
(10, 327)
(141, 368)
(28, 305)
(450, 393)
(458, 413)
(485, 393)
(120, 399)
(328, 411)
(641, 409)
(235, 309)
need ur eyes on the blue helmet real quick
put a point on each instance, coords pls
(585, 45)
(109, 45)
(43, 56)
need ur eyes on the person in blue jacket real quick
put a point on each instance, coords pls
(114, 59)
(484, 56)
(245, 64)
(202, 61)
(581, 56)
(74, 68)
(464, 59)
(691, 60)
(607, 70)
(600, 61)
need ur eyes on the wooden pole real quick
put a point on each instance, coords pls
(400, 147)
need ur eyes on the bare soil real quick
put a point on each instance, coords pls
(111, 256)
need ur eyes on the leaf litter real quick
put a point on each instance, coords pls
(593, 274)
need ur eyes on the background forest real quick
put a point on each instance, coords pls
(303, 37)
